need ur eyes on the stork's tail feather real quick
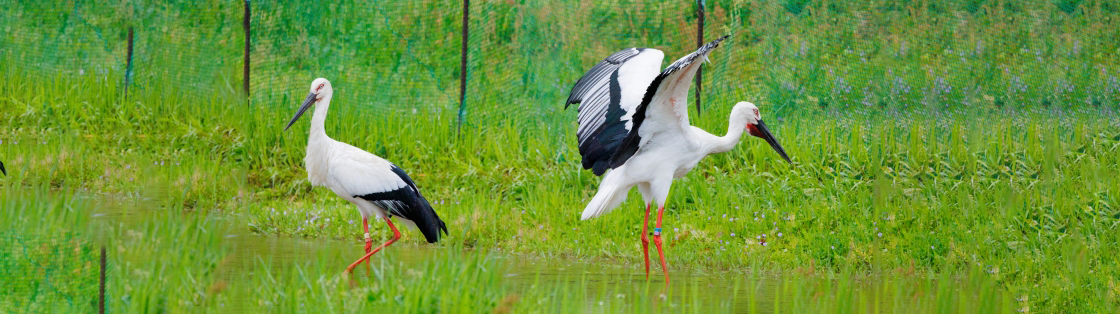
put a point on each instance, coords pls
(611, 194)
(431, 225)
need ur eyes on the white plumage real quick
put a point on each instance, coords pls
(633, 126)
(376, 186)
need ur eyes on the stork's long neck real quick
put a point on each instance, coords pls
(735, 126)
(318, 145)
(318, 119)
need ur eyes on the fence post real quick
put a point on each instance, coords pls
(128, 63)
(101, 292)
(245, 75)
(699, 43)
(463, 65)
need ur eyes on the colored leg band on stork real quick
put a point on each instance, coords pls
(367, 236)
(656, 231)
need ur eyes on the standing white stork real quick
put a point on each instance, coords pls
(633, 119)
(374, 185)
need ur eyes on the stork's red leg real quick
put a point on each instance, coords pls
(396, 236)
(645, 240)
(369, 241)
(657, 242)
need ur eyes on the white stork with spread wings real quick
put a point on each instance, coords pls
(633, 120)
(374, 185)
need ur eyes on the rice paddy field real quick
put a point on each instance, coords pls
(947, 158)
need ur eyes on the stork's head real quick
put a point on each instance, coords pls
(320, 89)
(748, 112)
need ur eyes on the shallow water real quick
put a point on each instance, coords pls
(603, 285)
(603, 282)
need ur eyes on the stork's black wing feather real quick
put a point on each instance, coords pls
(602, 108)
(5, 172)
(407, 202)
(630, 144)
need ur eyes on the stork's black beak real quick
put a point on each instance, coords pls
(311, 98)
(761, 131)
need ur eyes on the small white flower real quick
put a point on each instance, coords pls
(732, 234)
(833, 247)
(779, 234)
(880, 234)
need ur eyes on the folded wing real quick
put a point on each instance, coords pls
(389, 187)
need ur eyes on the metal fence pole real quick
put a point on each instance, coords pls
(699, 43)
(128, 63)
(463, 65)
(245, 75)
(101, 292)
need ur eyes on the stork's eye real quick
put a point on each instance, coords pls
(320, 87)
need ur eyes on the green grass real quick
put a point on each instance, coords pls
(1024, 197)
(983, 192)
(1021, 204)
(149, 272)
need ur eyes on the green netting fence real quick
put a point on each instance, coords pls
(182, 47)
(402, 57)
(396, 57)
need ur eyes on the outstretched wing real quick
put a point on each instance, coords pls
(390, 188)
(607, 96)
(665, 105)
